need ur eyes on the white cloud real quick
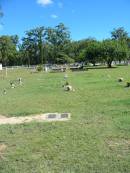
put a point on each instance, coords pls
(54, 16)
(44, 2)
(60, 4)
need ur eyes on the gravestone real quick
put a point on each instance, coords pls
(0, 67)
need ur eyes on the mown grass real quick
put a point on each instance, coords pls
(96, 140)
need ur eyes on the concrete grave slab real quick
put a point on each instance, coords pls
(35, 118)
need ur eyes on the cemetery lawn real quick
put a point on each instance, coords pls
(95, 140)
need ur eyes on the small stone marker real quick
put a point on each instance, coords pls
(4, 92)
(65, 77)
(20, 81)
(12, 85)
(120, 79)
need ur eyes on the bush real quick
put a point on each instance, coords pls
(128, 84)
(39, 68)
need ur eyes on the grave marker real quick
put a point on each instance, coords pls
(1, 67)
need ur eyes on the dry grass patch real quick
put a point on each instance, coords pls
(119, 146)
(2, 149)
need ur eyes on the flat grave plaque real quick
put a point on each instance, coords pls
(52, 116)
(64, 115)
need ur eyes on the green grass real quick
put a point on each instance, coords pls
(95, 140)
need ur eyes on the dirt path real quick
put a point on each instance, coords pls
(37, 118)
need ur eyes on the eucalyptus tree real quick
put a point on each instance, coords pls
(122, 37)
(25, 51)
(33, 44)
(57, 38)
(119, 34)
(15, 39)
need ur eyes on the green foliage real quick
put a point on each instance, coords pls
(91, 53)
(33, 45)
(119, 34)
(109, 51)
(112, 50)
(62, 58)
(58, 38)
(40, 68)
(8, 50)
(54, 46)
(128, 84)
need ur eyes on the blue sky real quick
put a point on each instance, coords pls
(84, 18)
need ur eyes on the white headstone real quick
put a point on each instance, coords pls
(46, 69)
(0, 66)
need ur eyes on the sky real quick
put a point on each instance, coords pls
(84, 18)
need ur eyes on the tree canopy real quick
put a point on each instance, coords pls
(54, 45)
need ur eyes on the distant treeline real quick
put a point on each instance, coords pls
(43, 45)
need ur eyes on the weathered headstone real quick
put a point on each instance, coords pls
(120, 79)
(20, 81)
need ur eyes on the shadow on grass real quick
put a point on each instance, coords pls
(101, 67)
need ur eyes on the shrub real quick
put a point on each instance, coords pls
(39, 68)
(128, 84)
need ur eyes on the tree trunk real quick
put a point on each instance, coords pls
(28, 59)
(109, 64)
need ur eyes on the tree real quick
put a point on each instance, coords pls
(33, 44)
(123, 51)
(108, 51)
(64, 58)
(119, 34)
(74, 48)
(113, 50)
(122, 37)
(25, 51)
(57, 38)
(15, 39)
(8, 50)
(91, 53)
